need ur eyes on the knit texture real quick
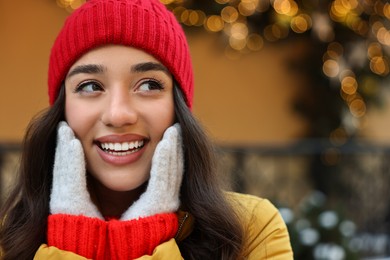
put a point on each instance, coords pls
(143, 24)
(78, 234)
(134, 238)
(98, 239)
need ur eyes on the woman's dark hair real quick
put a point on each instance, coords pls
(217, 232)
(23, 216)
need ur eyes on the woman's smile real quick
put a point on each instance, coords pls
(120, 149)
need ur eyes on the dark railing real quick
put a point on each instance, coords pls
(335, 199)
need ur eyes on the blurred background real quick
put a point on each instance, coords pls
(294, 93)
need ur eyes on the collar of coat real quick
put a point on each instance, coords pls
(186, 225)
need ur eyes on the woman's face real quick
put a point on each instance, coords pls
(119, 102)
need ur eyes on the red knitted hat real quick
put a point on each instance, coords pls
(143, 24)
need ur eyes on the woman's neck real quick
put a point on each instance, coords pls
(112, 203)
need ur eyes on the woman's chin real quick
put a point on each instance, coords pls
(121, 186)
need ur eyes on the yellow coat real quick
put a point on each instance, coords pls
(266, 235)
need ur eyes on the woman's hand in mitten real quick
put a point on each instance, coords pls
(69, 194)
(75, 223)
(162, 192)
(151, 220)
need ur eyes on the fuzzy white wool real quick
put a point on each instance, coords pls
(69, 193)
(162, 192)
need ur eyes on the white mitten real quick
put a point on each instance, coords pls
(69, 194)
(162, 192)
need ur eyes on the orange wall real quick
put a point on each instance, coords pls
(27, 29)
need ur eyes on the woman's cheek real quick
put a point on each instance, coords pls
(80, 118)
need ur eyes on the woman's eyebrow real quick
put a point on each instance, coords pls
(87, 69)
(148, 66)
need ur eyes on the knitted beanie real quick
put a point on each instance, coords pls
(142, 24)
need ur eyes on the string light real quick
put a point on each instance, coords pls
(349, 85)
(229, 14)
(338, 136)
(285, 7)
(301, 23)
(70, 5)
(331, 68)
(255, 42)
(357, 107)
(247, 7)
(214, 23)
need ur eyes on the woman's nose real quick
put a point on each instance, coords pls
(120, 110)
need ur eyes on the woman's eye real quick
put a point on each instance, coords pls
(89, 87)
(150, 85)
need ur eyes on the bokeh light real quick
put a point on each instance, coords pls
(286, 7)
(338, 136)
(255, 42)
(229, 14)
(349, 85)
(301, 23)
(70, 5)
(248, 25)
(331, 68)
(247, 7)
(222, 1)
(379, 65)
(357, 107)
(214, 23)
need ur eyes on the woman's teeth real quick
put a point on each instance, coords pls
(122, 148)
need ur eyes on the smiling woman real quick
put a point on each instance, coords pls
(118, 167)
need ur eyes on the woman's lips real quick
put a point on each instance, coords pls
(120, 149)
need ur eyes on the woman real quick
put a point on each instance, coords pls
(117, 167)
